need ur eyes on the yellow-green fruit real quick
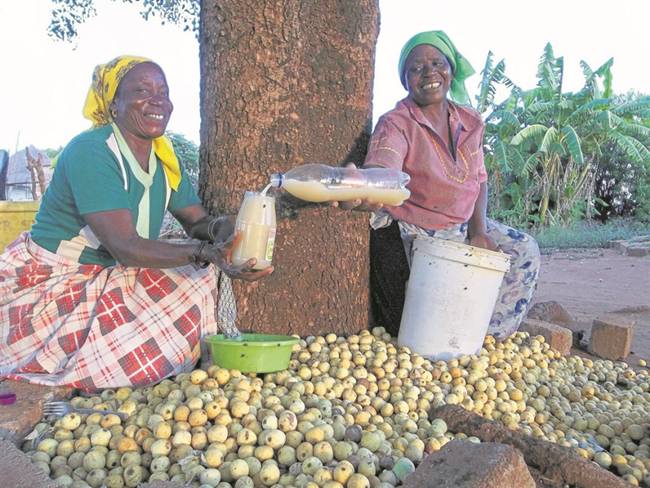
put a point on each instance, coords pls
(133, 476)
(323, 451)
(311, 464)
(160, 464)
(198, 376)
(217, 433)
(70, 421)
(287, 421)
(238, 468)
(343, 471)
(210, 477)
(367, 468)
(322, 476)
(603, 459)
(269, 474)
(96, 478)
(304, 450)
(161, 447)
(636, 432)
(182, 437)
(213, 457)
(130, 458)
(109, 420)
(371, 440)
(246, 437)
(197, 417)
(94, 460)
(273, 438)
(358, 481)
(112, 460)
(114, 481)
(100, 437)
(342, 450)
(65, 448)
(254, 466)
(402, 468)
(264, 453)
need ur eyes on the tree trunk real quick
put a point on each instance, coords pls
(284, 83)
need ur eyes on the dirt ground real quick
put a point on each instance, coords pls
(591, 282)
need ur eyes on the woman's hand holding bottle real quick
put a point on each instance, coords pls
(359, 204)
(220, 254)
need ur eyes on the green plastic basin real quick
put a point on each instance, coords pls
(256, 353)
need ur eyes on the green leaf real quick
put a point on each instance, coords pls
(587, 111)
(626, 144)
(531, 164)
(501, 155)
(572, 142)
(638, 131)
(550, 137)
(633, 107)
(533, 132)
(606, 72)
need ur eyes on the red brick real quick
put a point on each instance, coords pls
(464, 464)
(611, 337)
(558, 337)
(17, 420)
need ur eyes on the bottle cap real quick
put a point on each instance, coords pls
(7, 398)
(276, 180)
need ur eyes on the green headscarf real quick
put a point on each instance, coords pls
(460, 66)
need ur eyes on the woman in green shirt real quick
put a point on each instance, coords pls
(90, 298)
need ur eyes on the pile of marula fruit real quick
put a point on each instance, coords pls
(348, 412)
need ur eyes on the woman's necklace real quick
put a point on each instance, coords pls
(449, 172)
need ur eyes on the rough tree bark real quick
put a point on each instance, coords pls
(283, 83)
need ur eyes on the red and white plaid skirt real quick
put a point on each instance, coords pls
(92, 327)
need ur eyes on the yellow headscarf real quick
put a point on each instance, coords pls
(106, 79)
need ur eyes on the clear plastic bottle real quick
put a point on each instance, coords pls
(321, 183)
(256, 222)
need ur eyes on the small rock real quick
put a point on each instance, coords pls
(463, 464)
(550, 311)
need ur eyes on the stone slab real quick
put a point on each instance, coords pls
(17, 470)
(611, 337)
(18, 420)
(550, 311)
(637, 251)
(558, 337)
(464, 464)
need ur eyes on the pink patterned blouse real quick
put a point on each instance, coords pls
(443, 190)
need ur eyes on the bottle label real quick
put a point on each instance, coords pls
(270, 244)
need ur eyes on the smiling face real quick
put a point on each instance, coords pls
(428, 75)
(141, 106)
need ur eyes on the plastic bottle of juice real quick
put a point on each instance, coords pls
(256, 222)
(321, 183)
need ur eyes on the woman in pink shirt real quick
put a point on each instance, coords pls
(439, 143)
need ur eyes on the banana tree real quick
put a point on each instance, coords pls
(542, 144)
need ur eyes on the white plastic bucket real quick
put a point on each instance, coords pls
(450, 297)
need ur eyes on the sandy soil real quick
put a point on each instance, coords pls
(591, 282)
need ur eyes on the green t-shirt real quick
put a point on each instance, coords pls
(96, 172)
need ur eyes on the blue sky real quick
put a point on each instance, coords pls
(43, 82)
